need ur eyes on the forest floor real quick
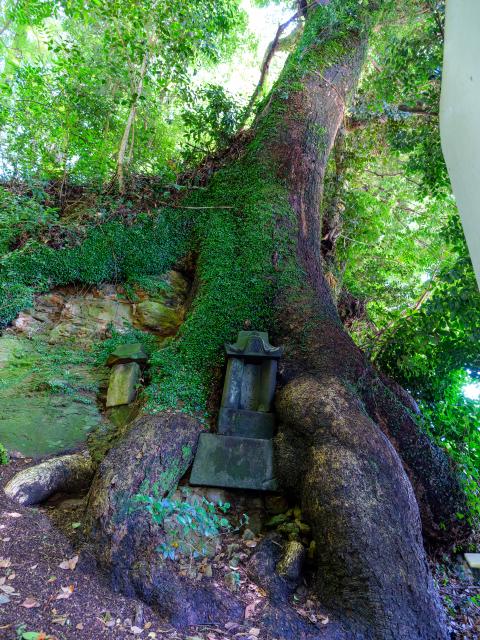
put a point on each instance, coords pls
(50, 587)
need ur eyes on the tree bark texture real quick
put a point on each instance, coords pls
(66, 473)
(157, 449)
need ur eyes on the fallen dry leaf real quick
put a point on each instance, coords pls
(13, 514)
(7, 589)
(30, 603)
(5, 563)
(79, 626)
(254, 631)
(136, 630)
(251, 543)
(69, 564)
(12, 576)
(65, 592)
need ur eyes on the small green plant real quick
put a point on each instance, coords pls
(475, 600)
(449, 605)
(153, 285)
(4, 457)
(22, 634)
(22, 216)
(190, 525)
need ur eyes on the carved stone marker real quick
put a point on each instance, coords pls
(240, 455)
(125, 362)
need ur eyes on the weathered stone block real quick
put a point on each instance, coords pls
(127, 353)
(250, 424)
(122, 387)
(229, 461)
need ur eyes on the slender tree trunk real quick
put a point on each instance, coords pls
(348, 447)
(122, 151)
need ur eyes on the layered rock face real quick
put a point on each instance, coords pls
(89, 315)
(52, 389)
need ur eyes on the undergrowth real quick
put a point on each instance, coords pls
(110, 252)
(4, 457)
(35, 366)
(191, 525)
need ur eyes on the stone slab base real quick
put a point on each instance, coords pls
(235, 462)
(248, 424)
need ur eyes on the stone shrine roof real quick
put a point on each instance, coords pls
(253, 344)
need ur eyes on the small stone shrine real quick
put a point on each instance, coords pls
(240, 455)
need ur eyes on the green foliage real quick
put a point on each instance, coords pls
(236, 245)
(238, 281)
(21, 216)
(189, 526)
(112, 252)
(151, 285)
(38, 367)
(401, 247)
(211, 120)
(74, 72)
(4, 457)
(66, 97)
(13, 298)
(440, 336)
(453, 421)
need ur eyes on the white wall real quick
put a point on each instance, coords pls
(460, 115)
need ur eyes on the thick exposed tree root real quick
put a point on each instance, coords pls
(66, 473)
(372, 570)
(157, 449)
(435, 482)
(282, 622)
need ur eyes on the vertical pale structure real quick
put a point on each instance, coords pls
(460, 115)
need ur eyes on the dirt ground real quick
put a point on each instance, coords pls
(47, 586)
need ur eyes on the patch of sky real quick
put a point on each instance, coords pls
(240, 76)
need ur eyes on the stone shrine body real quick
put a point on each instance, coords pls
(240, 455)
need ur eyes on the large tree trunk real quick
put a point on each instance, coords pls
(348, 445)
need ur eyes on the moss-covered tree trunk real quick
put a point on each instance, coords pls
(348, 445)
